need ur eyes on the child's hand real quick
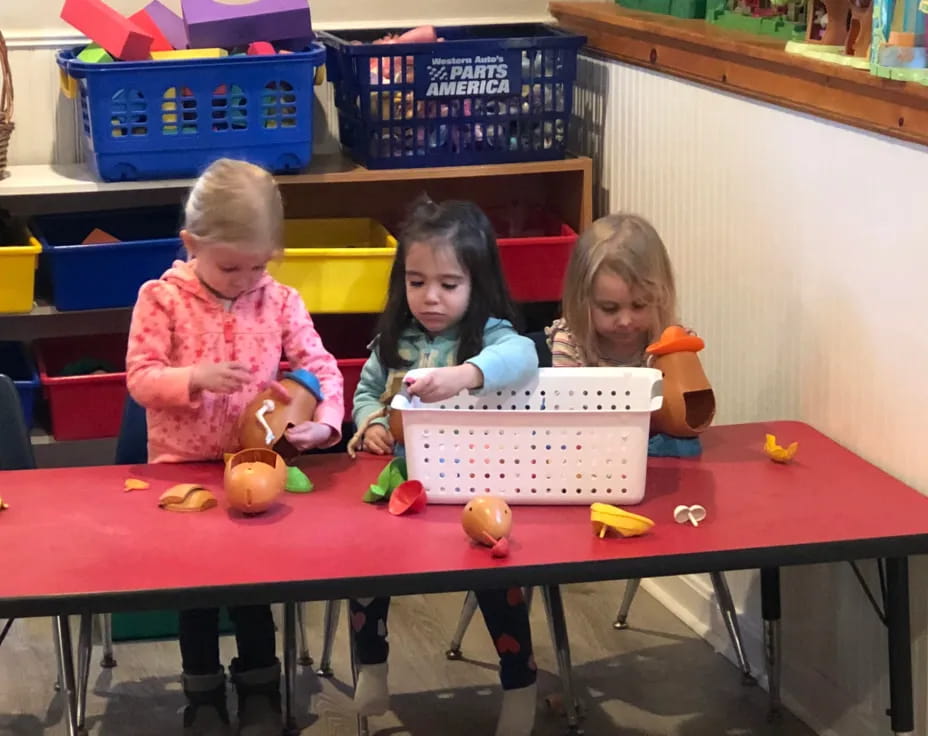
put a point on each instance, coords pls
(220, 378)
(309, 435)
(443, 383)
(377, 440)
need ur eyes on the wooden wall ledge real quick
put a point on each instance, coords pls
(749, 65)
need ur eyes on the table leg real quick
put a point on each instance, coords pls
(730, 617)
(305, 659)
(329, 629)
(770, 605)
(84, 652)
(555, 610)
(66, 668)
(363, 727)
(900, 646)
(621, 618)
(467, 613)
(290, 622)
(106, 627)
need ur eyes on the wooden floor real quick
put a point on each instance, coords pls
(656, 679)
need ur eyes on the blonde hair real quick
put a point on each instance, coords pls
(238, 203)
(628, 246)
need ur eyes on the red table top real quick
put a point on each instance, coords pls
(73, 540)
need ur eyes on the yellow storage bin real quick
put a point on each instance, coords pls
(337, 265)
(17, 274)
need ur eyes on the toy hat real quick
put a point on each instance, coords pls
(675, 339)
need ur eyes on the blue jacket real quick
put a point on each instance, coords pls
(507, 359)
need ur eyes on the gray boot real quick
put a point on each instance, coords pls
(206, 713)
(258, 701)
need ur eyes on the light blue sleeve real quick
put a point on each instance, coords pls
(371, 385)
(507, 358)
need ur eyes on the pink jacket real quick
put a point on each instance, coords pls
(177, 323)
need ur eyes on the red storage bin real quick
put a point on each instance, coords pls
(534, 248)
(88, 406)
(351, 372)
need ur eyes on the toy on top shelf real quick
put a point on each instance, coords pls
(839, 32)
(260, 48)
(93, 53)
(784, 19)
(144, 21)
(170, 24)
(253, 480)
(282, 405)
(122, 38)
(897, 49)
(829, 21)
(190, 54)
(213, 23)
(676, 8)
(860, 31)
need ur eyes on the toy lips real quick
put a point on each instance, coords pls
(283, 404)
(408, 497)
(689, 402)
(254, 479)
(488, 521)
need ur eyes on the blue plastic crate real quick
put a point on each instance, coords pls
(486, 94)
(108, 274)
(172, 118)
(16, 363)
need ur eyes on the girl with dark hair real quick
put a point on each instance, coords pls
(448, 309)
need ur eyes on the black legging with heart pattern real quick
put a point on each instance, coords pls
(506, 617)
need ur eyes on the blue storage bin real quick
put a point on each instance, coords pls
(486, 94)
(16, 363)
(172, 118)
(108, 274)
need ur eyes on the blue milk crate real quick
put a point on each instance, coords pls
(484, 95)
(108, 274)
(16, 363)
(172, 118)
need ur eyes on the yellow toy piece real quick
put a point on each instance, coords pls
(3, 506)
(187, 497)
(134, 484)
(606, 517)
(779, 454)
(188, 54)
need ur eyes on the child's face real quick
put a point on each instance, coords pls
(228, 270)
(621, 316)
(437, 287)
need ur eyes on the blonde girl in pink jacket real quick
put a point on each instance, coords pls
(205, 339)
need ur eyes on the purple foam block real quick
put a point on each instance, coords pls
(213, 24)
(170, 24)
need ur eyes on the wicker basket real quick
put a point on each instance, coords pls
(6, 105)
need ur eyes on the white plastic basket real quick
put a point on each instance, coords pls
(570, 436)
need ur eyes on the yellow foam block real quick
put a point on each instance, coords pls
(189, 54)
